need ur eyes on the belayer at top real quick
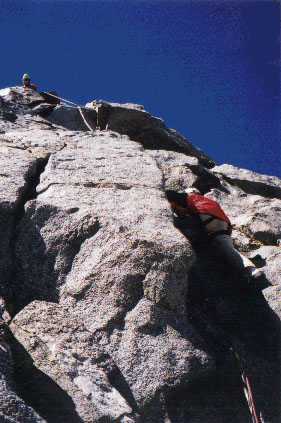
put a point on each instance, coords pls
(26, 82)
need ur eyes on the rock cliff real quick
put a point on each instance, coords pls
(111, 309)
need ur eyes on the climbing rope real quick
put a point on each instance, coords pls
(84, 119)
(246, 382)
(76, 105)
(63, 99)
(247, 389)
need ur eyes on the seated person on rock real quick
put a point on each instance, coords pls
(217, 228)
(26, 82)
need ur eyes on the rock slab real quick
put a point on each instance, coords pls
(115, 309)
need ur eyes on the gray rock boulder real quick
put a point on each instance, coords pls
(12, 407)
(17, 167)
(259, 218)
(102, 253)
(25, 146)
(118, 313)
(64, 350)
(181, 171)
(250, 182)
(70, 117)
(139, 125)
(166, 350)
(112, 203)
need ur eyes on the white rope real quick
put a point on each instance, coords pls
(84, 119)
(60, 98)
(79, 108)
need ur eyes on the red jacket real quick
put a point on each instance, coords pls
(198, 204)
(31, 86)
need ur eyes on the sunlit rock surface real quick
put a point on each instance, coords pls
(111, 309)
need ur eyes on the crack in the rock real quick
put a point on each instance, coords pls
(43, 400)
(108, 185)
(117, 185)
(15, 147)
(48, 186)
(65, 144)
(28, 193)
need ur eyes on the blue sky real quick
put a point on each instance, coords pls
(210, 69)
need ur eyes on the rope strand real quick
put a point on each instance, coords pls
(79, 108)
(84, 119)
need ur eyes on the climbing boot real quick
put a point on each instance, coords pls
(256, 274)
(257, 278)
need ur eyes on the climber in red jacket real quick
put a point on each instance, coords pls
(26, 82)
(217, 227)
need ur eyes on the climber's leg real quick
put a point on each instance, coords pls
(224, 247)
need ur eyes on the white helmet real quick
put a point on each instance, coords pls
(192, 191)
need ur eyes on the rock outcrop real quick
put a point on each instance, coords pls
(111, 309)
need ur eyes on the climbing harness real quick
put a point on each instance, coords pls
(76, 105)
(209, 220)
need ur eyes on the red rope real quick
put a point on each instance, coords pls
(247, 390)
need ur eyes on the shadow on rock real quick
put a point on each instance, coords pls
(206, 401)
(229, 313)
(48, 240)
(35, 276)
(118, 381)
(39, 391)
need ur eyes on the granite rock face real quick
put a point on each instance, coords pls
(112, 311)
